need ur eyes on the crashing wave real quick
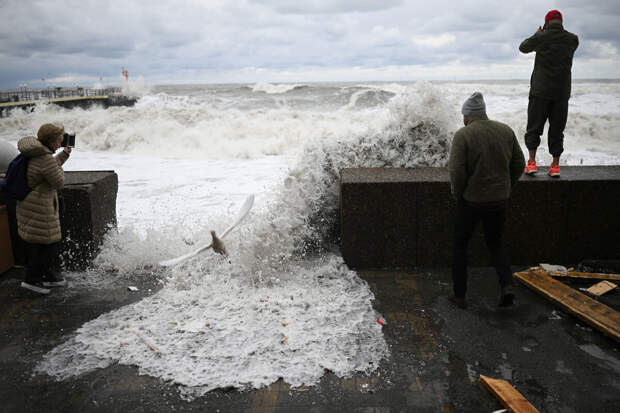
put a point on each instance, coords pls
(273, 89)
(282, 305)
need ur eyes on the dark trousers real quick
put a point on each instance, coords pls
(538, 111)
(467, 218)
(42, 261)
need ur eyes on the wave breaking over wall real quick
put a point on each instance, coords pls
(283, 305)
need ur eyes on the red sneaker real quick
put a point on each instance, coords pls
(530, 168)
(554, 171)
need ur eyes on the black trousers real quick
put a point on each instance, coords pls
(467, 218)
(42, 261)
(539, 110)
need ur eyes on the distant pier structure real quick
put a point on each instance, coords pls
(27, 99)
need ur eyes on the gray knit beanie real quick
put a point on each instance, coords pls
(474, 105)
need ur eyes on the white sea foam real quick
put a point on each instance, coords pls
(135, 87)
(275, 89)
(234, 124)
(219, 323)
(169, 126)
(184, 165)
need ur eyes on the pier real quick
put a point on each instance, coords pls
(27, 99)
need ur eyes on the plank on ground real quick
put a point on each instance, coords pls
(586, 275)
(508, 396)
(598, 315)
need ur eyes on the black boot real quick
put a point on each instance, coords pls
(507, 297)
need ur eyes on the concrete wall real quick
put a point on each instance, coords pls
(398, 218)
(87, 212)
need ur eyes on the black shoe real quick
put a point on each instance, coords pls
(458, 301)
(37, 287)
(507, 298)
(54, 281)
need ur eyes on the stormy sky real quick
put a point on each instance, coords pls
(84, 42)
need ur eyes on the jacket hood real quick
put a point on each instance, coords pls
(31, 147)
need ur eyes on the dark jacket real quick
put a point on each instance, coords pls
(486, 161)
(554, 47)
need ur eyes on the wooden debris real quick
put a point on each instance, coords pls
(586, 275)
(601, 288)
(507, 395)
(148, 343)
(587, 309)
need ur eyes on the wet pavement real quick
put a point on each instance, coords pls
(437, 354)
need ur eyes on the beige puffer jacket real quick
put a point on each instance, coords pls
(37, 215)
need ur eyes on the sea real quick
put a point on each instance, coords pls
(283, 304)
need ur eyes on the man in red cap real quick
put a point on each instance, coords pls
(549, 88)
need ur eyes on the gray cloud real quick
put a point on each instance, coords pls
(329, 6)
(165, 41)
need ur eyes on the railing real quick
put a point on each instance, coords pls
(24, 94)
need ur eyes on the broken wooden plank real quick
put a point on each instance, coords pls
(598, 315)
(601, 288)
(508, 396)
(586, 275)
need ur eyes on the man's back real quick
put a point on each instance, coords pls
(554, 47)
(486, 161)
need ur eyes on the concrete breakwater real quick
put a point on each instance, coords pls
(68, 99)
(404, 218)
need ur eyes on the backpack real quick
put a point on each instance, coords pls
(15, 184)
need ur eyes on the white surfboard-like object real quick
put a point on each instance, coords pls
(245, 208)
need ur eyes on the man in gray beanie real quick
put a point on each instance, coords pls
(485, 163)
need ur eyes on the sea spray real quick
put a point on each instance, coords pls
(418, 133)
(278, 306)
(282, 305)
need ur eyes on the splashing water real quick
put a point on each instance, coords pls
(284, 305)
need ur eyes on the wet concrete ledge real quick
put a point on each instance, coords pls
(87, 212)
(403, 218)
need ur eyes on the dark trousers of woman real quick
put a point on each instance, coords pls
(468, 216)
(538, 111)
(42, 262)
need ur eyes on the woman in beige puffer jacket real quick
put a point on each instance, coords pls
(38, 220)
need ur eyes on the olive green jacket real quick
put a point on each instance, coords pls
(486, 161)
(554, 47)
(38, 221)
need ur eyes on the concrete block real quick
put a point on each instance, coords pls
(535, 228)
(87, 212)
(392, 217)
(388, 239)
(593, 215)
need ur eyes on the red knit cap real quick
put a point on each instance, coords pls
(553, 14)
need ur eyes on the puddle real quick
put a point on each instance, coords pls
(596, 352)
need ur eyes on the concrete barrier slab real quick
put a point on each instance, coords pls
(393, 217)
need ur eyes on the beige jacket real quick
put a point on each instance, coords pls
(38, 221)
